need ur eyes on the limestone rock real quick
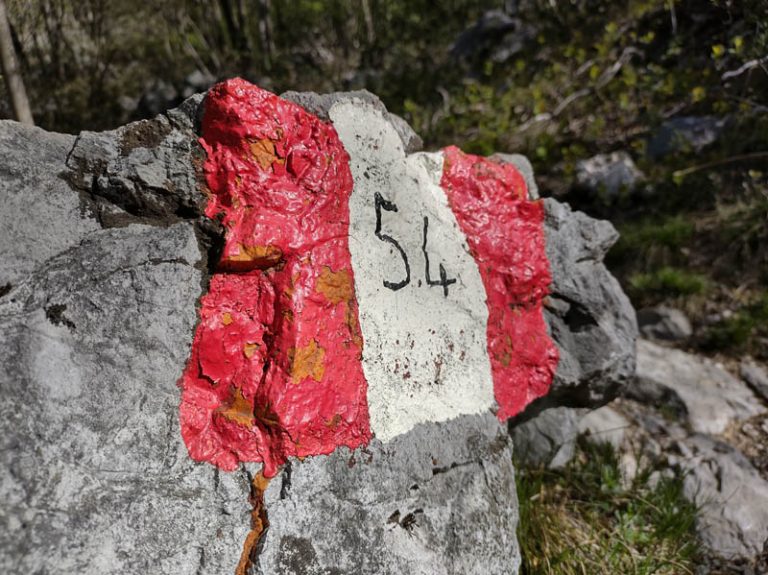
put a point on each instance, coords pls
(710, 397)
(732, 520)
(105, 256)
(608, 173)
(590, 317)
(685, 133)
(664, 323)
(755, 376)
(548, 439)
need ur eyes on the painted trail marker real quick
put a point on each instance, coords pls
(360, 291)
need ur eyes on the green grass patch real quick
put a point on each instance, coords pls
(584, 520)
(742, 331)
(638, 237)
(666, 282)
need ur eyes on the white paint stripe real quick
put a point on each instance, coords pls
(425, 355)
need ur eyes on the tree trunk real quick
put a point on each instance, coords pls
(13, 81)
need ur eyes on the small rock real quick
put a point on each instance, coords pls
(685, 133)
(755, 376)
(608, 173)
(664, 323)
(605, 425)
(495, 35)
(710, 396)
(548, 439)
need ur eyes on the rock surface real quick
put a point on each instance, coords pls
(732, 520)
(755, 376)
(105, 255)
(608, 173)
(707, 394)
(686, 133)
(664, 323)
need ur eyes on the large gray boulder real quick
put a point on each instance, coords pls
(105, 255)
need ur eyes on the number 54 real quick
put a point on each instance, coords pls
(444, 281)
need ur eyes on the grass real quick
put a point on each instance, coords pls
(672, 233)
(665, 282)
(584, 520)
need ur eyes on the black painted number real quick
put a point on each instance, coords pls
(391, 207)
(444, 281)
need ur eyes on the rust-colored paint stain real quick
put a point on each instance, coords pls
(259, 525)
(514, 268)
(264, 153)
(308, 361)
(239, 410)
(271, 323)
(248, 258)
(336, 286)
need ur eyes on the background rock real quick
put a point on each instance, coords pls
(686, 132)
(710, 396)
(608, 173)
(664, 323)
(732, 522)
(755, 376)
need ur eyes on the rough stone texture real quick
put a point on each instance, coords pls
(524, 166)
(605, 425)
(93, 331)
(595, 328)
(664, 323)
(549, 438)
(104, 258)
(320, 105)
(437, 506)
(710, 396)
(608, 173)
(590, 317)
(733, 519)
(755, 376)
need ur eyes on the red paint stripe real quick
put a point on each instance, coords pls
(506, 237)
(275, 368)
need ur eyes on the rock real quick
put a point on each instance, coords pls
(338, 514)
(549, 439)
(589, 316)
(605, 425)
(732, 521)
(594, 325)
(692, 133)
(608, 174)
(710, 397)
(664, 323)
(320, 104)
(94, 327)
(105, 256)
(755, 376)
(495, 35)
